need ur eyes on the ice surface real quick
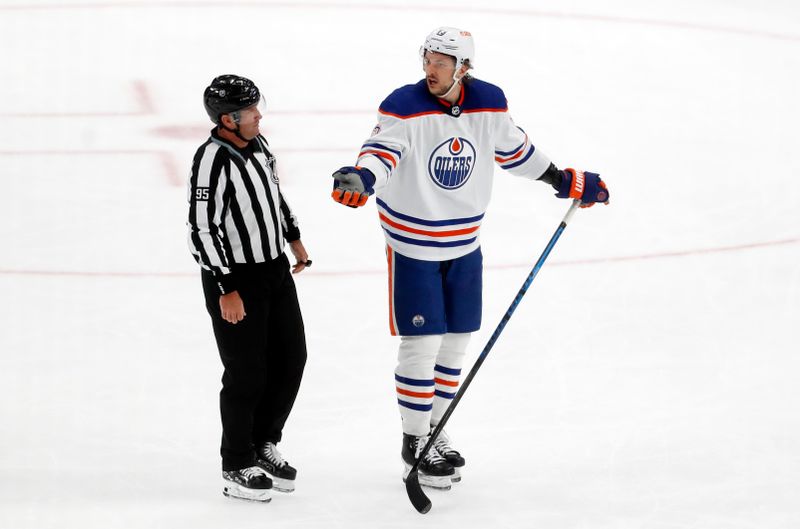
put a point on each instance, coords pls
(648, 380)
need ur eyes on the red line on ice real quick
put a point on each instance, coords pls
(324, 273)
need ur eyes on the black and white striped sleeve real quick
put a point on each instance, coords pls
(291, 230)
(208, 185)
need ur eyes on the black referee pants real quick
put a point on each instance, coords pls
(263, 356)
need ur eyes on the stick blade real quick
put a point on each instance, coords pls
(414, 490)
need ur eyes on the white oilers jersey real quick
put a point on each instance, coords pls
(434, 165)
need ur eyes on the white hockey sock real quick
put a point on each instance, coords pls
(447, 372)
(414, 379)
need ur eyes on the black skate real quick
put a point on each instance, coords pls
(249, 483)
(451, 455)
(434, 470)
(281, 472)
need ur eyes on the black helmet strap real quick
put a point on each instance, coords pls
(236, 130)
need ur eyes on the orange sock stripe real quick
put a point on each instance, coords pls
(443, 382)
(417, 394)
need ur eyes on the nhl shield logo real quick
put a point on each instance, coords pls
(451, 163)
(273, 169)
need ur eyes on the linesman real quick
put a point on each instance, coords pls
(239, 224)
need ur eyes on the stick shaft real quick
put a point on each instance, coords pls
(498, 330)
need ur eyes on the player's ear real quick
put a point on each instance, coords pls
(227, 121)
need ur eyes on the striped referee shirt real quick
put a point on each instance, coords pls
(237, 214)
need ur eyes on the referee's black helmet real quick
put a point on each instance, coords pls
(229, 93)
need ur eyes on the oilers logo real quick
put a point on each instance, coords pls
(451, 163)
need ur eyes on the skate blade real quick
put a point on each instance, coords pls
(242, 493)
(281, 485)
(456, 477)
(432, 482)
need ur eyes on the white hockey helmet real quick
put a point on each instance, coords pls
(451, 41)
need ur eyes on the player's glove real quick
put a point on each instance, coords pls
(586, 186)
(352, 186)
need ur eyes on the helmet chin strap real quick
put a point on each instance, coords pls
(238, 135)
(456, 81)
(235, 132)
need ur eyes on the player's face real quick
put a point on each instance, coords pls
(439, 69)
(249, 119)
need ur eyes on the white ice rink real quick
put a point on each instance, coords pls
(650, 378)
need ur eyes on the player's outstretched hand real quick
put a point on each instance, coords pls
(352, 186)
(586, 186)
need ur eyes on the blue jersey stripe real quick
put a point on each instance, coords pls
(437, 244)
(412, 406)
(384, 162)
(447, 370)
(501, 153)
(385, 148)
(444, 395)
(509, 153)
(413, 381)
(424, 222)
(521, 161)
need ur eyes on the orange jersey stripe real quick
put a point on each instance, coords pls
(498, 159)
(504, 160)
(431, 112)
(448, 233)
(410, 115)
(381, 154)
(484, 110)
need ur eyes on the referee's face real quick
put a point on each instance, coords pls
(249, 119)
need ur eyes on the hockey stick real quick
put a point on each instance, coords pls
(418, 498)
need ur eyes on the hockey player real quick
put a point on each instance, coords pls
(430, 163)
(239, 224)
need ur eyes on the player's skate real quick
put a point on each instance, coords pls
(281, 472)
(445, 448)
(434, 470)
(249, 483)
